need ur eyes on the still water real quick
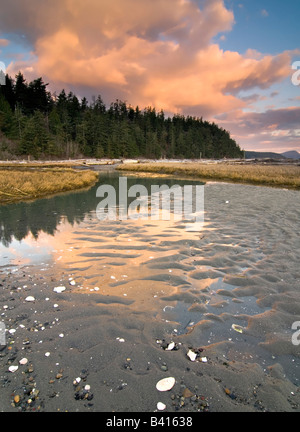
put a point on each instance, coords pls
(240, 268)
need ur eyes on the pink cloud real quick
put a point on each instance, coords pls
(4, 42)
(157, 52)
(276, 129)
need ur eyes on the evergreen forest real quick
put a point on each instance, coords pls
(37, 124)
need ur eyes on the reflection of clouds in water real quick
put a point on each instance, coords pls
(31, 250)
(237, 270)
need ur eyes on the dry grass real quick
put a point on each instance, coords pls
(25, 184)
(268, 175)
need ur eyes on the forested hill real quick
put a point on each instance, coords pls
(43, 125)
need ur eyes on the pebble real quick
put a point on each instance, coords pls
(30, 299)
(187, 393)
(171, 346)
(13, 368)
(161, 406)
(23, 361)
(77, 380)
(192, 355)
(59, 289)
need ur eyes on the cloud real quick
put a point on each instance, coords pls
(4, 42)
(276, 129)
(157, 53)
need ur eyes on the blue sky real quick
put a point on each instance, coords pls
(269, 26)
(226, 60)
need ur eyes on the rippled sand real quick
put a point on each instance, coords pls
(148, 281)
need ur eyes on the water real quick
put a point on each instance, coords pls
(240, 268)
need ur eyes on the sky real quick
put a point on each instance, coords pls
(234, 62)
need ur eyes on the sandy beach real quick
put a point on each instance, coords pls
(228, 293)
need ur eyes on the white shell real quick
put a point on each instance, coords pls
(191, 355)
(13, 368)
(30, 299)
(170, 346)
(23, 361)
(59, 289)
(165, 384)
(161, 406)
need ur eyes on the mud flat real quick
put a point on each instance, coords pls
(141, 296)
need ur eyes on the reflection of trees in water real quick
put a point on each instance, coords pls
(18, 220)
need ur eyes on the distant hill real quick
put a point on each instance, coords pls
(263, 155)
(293, 154)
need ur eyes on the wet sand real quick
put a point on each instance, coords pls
(133, 287)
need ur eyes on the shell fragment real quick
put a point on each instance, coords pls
(237, 328)
(165, 384)
(59, 289)
(192, 355)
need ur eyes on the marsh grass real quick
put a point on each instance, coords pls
(260, 174)
(25, 184)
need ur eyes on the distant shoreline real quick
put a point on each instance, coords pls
(284, 175)
(38, 184)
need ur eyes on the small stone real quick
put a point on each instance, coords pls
(161, 406)
(187, 393)
(47, 354)
(192, 355)
(59, 375)
(171, 346)
(59, 289)
(164, 368)
(23, 361)
(76, 380)
(13, 368)
(17, 399)
(30, 299)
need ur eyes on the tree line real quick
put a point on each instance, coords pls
(36, 123)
